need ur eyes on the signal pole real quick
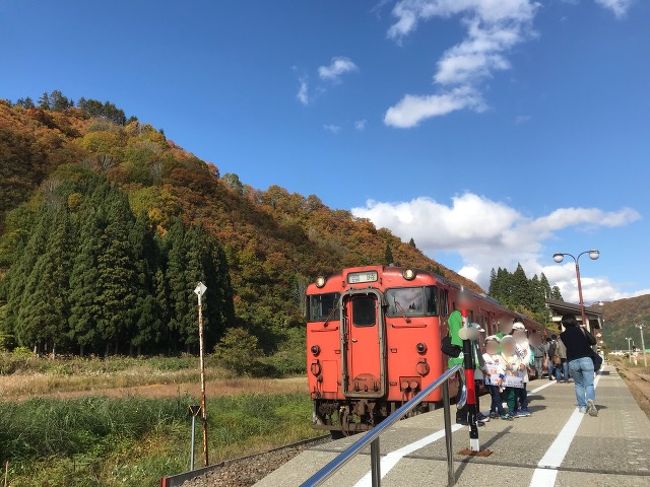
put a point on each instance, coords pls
(645, 359)
(200, 291)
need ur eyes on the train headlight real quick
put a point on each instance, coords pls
(315, 349)
(320, 281)
(421, 348)
(408, 274)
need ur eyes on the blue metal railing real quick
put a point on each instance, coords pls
(372, 436)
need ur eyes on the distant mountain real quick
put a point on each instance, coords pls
(621, 316)
(62, 156)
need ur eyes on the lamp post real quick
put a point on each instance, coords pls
(640, 327)
(593, 255)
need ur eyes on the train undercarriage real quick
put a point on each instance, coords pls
(347, 417)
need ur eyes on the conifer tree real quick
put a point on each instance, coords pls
(85, 306)
(44, 309)
(118, 282)
(556, 293)
(493, 282)
(388, 255)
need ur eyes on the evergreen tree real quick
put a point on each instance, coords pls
(146, 320)
(20, 304)
(179, 290)
(412, 243)
(493, 282)
(85, 307)
(546, 287)
(521, 292)
(44, 309)
(25, 102)
(538, 301)
(118, 280)
(58, 102)
(388, 255)
(556, 293)
(44, 101)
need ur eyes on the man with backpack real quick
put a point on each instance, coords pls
(554, 359)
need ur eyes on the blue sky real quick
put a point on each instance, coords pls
(534, 108)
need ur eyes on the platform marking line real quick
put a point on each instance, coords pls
(541, 388)
(546, 472)
(391, 459)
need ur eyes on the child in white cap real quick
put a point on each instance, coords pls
(522, 349)
(494, 375)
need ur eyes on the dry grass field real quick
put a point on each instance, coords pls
(123, 421)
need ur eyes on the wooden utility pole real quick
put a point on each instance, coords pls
(200, 290)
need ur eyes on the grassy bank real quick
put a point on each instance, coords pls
(98, 441)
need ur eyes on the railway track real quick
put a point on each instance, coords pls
(243, 471)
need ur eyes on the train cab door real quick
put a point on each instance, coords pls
(362, 335)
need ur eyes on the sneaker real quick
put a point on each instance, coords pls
(506, 417)
(525, 413)
(482, 417)
(591, 408)
(582, 410)
(521, 414)
(494, 415)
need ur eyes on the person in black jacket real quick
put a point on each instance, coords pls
(578, 342)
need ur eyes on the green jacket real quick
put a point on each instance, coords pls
(455, 322)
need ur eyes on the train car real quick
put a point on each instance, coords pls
(373, 340)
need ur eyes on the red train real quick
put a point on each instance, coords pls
(373, 340)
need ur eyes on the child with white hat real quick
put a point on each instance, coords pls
(522, 349)
(494, 376)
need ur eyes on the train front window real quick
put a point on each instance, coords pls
(363, 311)
(323, 306)
(411, 301)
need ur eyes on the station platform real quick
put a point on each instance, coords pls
(557, 445)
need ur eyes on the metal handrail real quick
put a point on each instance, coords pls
(372, 436)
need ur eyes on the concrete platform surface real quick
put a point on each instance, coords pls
(555, 446)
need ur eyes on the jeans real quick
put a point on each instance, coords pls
(497, 402)
(565, 369)
(582, 371)
(557, 372)
(521, 395)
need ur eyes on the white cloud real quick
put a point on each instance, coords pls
(487, 233)
(303, 91)
(360, 124)
(332, 128)
(494, 27)
(619, 7)
(337, 67)
(412, 109)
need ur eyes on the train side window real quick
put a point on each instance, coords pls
(430, 293)
(444, 302)
(363, 311)
(321, 306)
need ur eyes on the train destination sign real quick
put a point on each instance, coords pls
(357, 277)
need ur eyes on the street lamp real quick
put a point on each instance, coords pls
(594, 254)
(640, 327)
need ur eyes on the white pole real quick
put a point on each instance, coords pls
(645, 359)
(200, 290)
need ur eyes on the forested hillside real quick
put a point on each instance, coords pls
(106, 225)
(621, 316)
